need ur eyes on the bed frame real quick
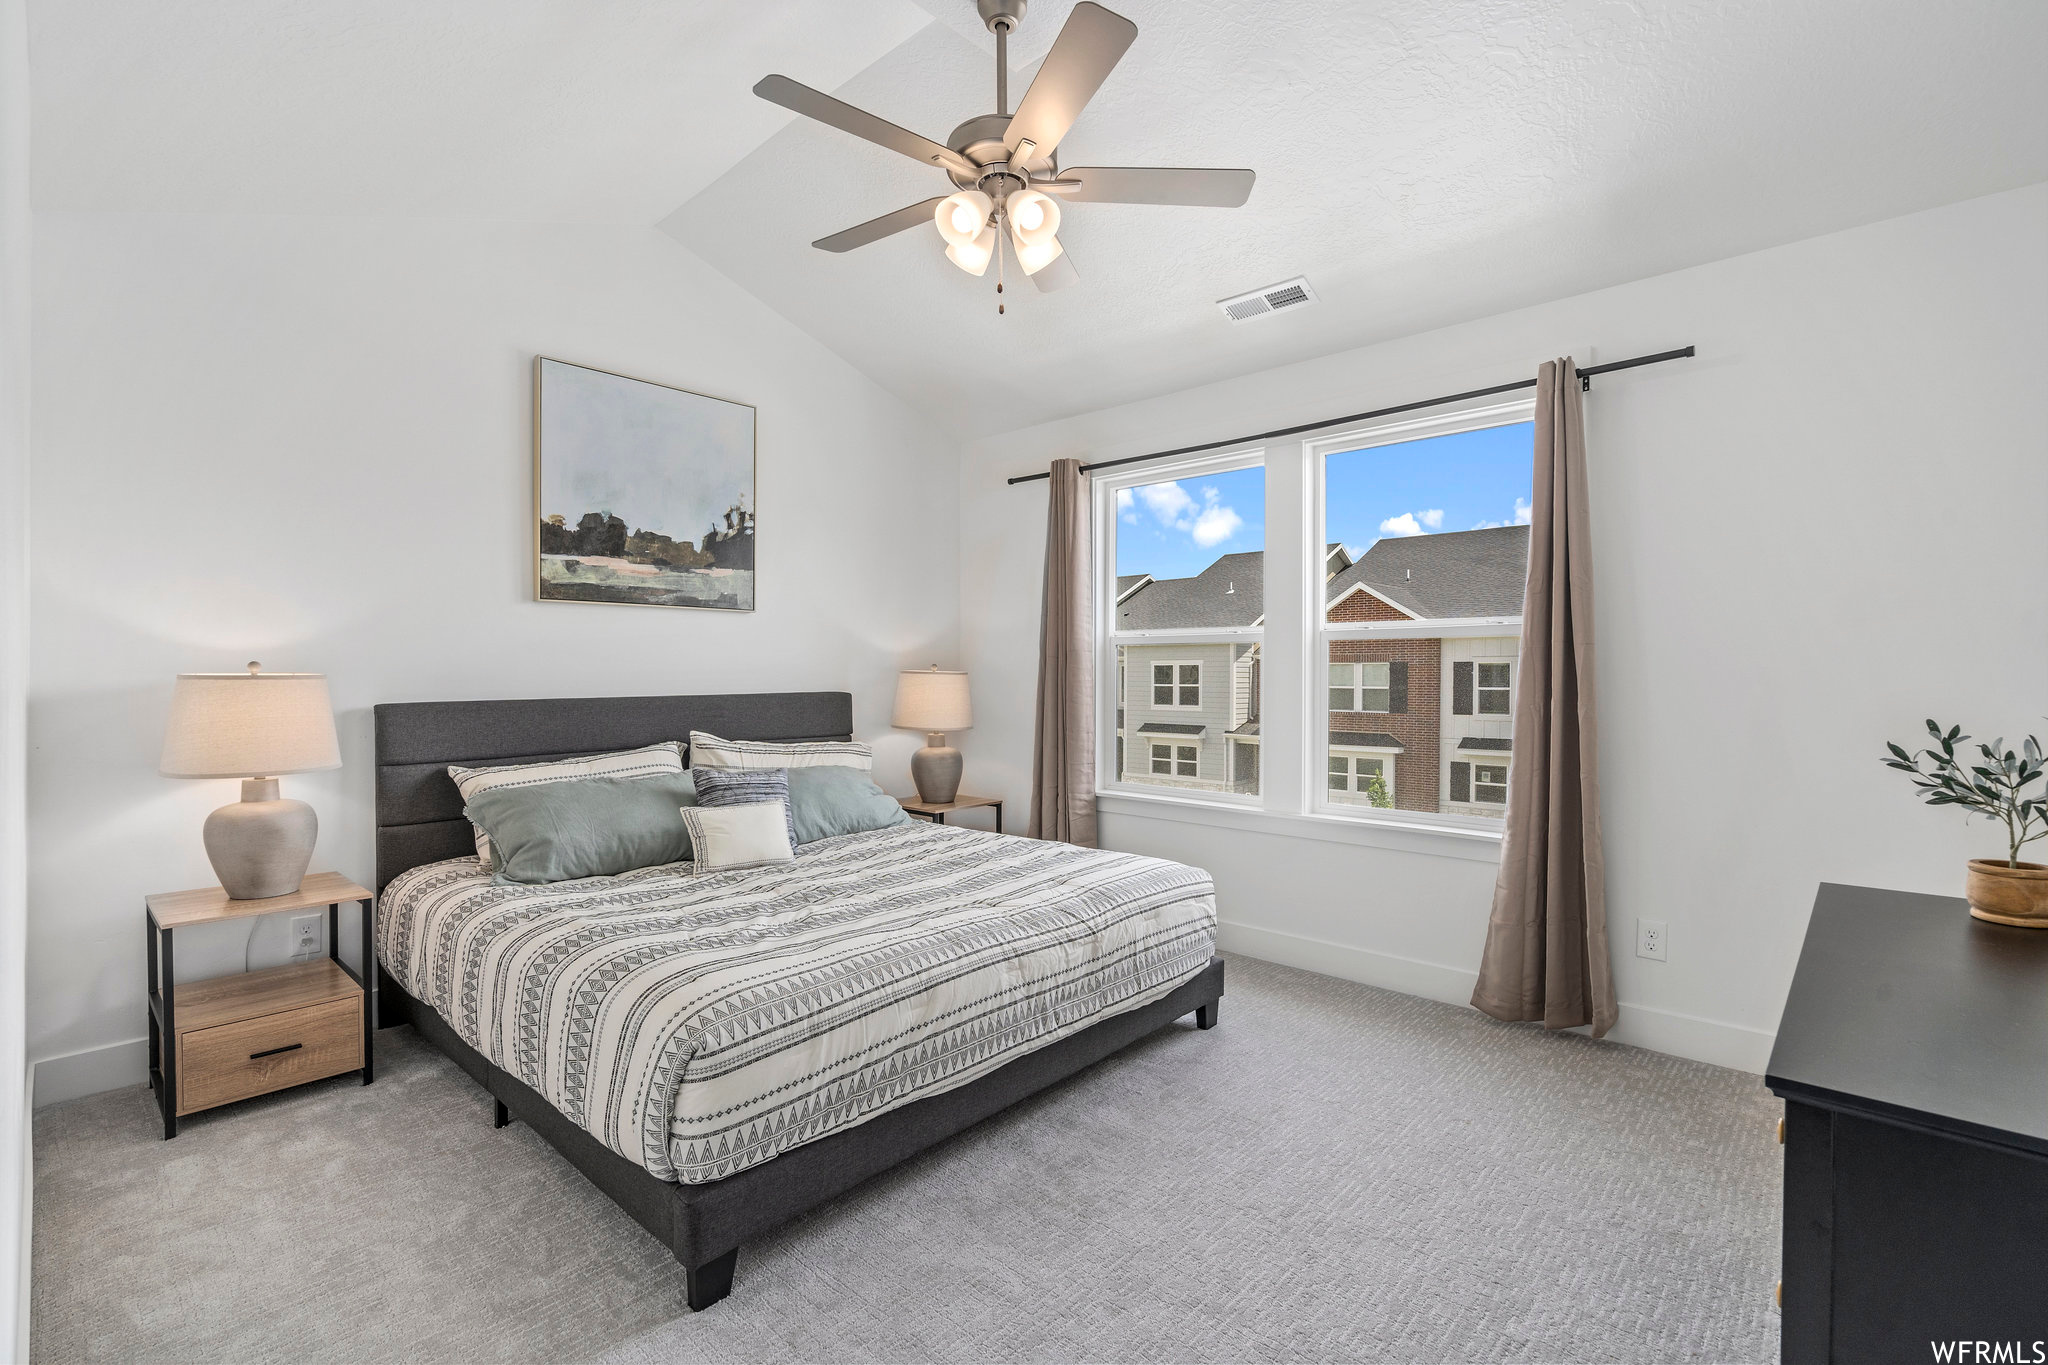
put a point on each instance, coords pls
(419, 820)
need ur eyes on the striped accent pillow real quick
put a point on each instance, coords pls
(652, 761)
(745, 835)
(709, 751)
(745, 787)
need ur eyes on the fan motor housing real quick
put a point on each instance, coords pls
(980, 140)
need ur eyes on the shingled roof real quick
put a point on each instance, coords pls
(1456, 573)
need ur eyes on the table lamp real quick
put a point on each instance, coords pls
(256, 726)
(934, 701)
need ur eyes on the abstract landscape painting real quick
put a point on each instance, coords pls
(645, 493)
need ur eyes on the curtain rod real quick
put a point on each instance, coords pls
(1585, 382)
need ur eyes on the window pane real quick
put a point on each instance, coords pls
(1426, 530)
(1406, 734)
(1201, 541)
(1197, 737)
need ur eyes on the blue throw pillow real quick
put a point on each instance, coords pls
(586, 827)
(824, 802)
(745, 787)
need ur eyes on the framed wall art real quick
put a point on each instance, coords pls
(644, 493)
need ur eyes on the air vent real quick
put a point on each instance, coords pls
(1294, 293)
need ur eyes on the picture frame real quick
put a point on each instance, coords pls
(656, 486)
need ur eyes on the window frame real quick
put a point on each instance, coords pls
(1322, 634)
(1293, 795)
(1112, 642)
(1176, 685)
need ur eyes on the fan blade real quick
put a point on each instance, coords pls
(875, 229)
(1082, 57)
(1057, 273)
(1157, 185)
(843, 116)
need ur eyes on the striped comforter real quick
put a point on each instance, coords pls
(701, 1025)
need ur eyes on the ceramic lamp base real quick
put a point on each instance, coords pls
(936, 770)
(260, 845)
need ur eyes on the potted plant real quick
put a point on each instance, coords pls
(2005, 891)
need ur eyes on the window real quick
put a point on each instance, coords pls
(1186, 618)
(1363, 686)
(1425, 536)
(1399, 706)
(1177, 684)
(1361, 780)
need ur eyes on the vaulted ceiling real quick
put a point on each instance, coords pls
(1421, 161)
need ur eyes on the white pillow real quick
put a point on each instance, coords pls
(726, 837)
(709, 751)
(652, 761)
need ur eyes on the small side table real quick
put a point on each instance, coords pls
(234, 1037)
(937, 811)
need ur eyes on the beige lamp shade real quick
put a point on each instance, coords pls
(251, 724)
(932, 700)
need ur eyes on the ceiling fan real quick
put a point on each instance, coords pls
(1005, 169)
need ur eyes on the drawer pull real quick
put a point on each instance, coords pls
(288, 1047)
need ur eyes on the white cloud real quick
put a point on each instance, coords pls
(1403, 525)
(1433, 518)
(1208, 522)
(1126, 506)
(1216, 524)
(1523, 513)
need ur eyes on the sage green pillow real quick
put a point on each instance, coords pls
(831, 800)
(585, 827)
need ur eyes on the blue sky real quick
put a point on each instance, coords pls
(1441, 483)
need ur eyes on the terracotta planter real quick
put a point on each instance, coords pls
(2008, 895)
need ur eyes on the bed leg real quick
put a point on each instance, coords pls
(1205, 1015)
(708, 1283)
(503, 1115)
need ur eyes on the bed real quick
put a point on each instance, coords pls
(719, 1054)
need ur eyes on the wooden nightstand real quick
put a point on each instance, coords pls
(234, 1037)
(937, 811)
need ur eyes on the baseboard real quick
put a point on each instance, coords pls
(1645, 1026)
(89, 1072)
(23, 1265)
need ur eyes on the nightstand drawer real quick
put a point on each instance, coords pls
(256, 1056)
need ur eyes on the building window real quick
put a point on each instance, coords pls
(1362, 687)
(1177, 685)
(1361, 780)
(1493, 690)
(1490, 784)
(1176, 760)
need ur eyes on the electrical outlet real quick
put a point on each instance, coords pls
(305, 938)
(1650, 939)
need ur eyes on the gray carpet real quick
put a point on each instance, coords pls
(1334, 1173)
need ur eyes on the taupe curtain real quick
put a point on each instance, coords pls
(1063, 741)
(1546, 943)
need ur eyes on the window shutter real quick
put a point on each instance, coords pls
(1461, 691)
(1461, 774)
(1397, 686)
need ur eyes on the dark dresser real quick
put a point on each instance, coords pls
(1913, 1062)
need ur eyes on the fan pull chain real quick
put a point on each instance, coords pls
(999, 265)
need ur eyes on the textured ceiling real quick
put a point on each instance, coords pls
(1421, 161)
(604, 110)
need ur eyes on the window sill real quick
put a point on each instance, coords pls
(1440, 841)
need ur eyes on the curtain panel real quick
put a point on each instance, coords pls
(1063, 741)
(1546, 942)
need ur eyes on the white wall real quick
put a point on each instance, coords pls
(1823, 529)
(15, 225)
(307, 441)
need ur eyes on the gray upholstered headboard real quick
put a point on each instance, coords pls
(419, 811)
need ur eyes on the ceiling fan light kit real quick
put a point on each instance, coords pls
(1004, 166)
